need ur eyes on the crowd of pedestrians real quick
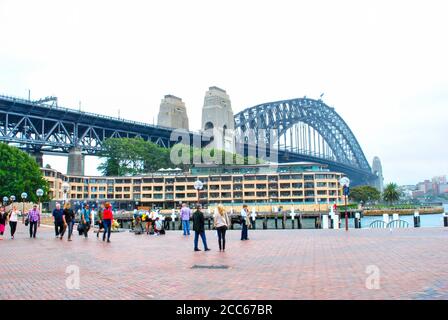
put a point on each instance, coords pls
(64, 221)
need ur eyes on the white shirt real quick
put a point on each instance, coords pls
(243, 213)
(14, 216)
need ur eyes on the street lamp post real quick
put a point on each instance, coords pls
(39, 193)
(65, 189)
(5, 200)
(198, 185)
(345, 183)
(24, 195)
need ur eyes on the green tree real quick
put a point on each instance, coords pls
(364, 194)
(20, 173)
(133, 156)
(391, 193)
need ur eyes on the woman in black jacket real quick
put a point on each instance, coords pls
(199, 228)
(69, 220)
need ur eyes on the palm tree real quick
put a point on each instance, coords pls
(391, 193)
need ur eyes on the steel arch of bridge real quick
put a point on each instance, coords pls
(283, 116)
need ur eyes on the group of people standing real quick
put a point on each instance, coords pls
(221, 222)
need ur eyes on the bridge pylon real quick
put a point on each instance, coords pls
(75, 163)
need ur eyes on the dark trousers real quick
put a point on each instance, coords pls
(196, 239)
(244, 231)
(107, 223)
(70, 229)
(13, 226)
(222, 237)
(58, 227)
(33, 229)
(86, 228)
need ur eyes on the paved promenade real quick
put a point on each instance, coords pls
(274, 264)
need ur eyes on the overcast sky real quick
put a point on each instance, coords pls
(381, 64)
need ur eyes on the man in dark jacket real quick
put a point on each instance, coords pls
(199, 229)
(57, 219)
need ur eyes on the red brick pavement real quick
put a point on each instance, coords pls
(274, 264)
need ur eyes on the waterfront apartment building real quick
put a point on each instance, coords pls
(301, 183)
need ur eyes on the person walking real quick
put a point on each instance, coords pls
(100, 220)
(34, 220)
(13, 218)
(199, 228)
(108, 217)
(86, 218)
(221, 222)
(58, 213)
(245, 222)
(3, 218)
(185, 214)
(68, 220)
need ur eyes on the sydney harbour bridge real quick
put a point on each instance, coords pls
(306, 130)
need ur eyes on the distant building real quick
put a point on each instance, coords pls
(173, 113)
(408, 191)
(436, 184)
(303, 183)
(443, 188)
(417, 194)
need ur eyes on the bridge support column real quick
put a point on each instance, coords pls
(39, 157)
(75, 164)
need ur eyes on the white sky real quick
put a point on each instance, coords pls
(381, 64)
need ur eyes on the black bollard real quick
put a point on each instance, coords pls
(357, 222)
(276, 223)
(283, 223)
(254, 223)
(299, 223)
(416, 221)
(209, 223)
(265, 224)
(292, 223)
(445, 220)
